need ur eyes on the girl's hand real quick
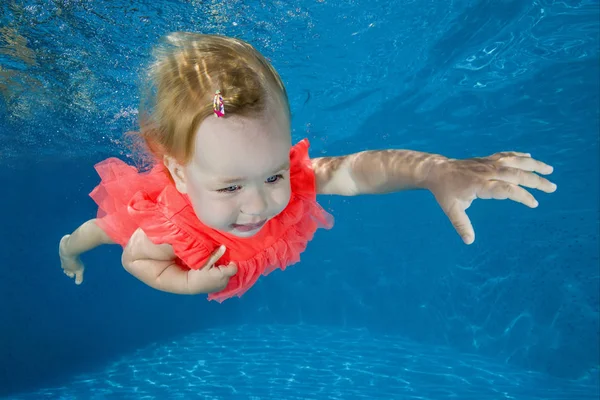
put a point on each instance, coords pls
(456, 183)
(70, 264)
(211, 278)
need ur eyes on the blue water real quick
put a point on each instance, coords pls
(301, 361)
(388, 304)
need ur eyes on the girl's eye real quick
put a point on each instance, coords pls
(229, 189)
(235, 188)
(274, 178)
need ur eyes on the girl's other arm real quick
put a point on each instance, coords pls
(155, 266)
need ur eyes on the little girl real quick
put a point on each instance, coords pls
(227, 185)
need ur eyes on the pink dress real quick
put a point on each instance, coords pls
(129, 199)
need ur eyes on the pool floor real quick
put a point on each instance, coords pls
(307, 362)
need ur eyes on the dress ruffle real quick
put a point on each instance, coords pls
(128, 199)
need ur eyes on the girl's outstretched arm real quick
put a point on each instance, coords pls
(455, 183)
(374, 172)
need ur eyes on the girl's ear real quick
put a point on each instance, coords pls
(177, 172)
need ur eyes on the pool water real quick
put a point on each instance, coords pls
(307, 362)
(389, 303)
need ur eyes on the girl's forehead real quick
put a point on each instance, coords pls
(242, 146)
(244, 157)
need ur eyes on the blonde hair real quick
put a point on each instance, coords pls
(187, 70)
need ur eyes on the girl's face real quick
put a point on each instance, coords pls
(238, 177)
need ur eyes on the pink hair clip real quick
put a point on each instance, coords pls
(218, 105)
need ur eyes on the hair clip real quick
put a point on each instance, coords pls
(218, 105)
